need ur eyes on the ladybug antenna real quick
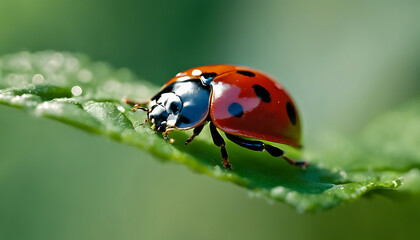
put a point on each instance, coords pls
(144, 109)
(137, 107)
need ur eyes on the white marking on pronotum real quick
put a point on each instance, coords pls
(196, 72)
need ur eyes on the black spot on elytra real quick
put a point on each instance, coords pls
(246, 73)
(209, 75)
(236, 110)
(262, 93)
(291, 113)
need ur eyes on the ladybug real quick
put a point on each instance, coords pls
(239, 101)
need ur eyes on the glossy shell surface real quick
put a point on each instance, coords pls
(248, 103)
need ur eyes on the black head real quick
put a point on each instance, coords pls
(164, 112)
(181, 105)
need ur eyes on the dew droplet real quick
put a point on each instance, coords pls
(38, 78)
(121, 108)
(343, 174)
(76, 91)
(278, 191)
(290, 197)
(218, 171)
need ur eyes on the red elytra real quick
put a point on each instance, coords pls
(271, 121)
(240, 101)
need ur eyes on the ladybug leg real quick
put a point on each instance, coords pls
(196, 132)
(277, 152)
(218, 141)
(260, 146)
(165, 135)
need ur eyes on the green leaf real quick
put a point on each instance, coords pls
(72, 89)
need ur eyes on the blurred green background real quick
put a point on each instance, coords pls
(344, 62)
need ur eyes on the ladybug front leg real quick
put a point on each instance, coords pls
(218, 141)
(196, 132)
(166, 137)
(260, 146)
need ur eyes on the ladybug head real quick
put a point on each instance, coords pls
(164, 111)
